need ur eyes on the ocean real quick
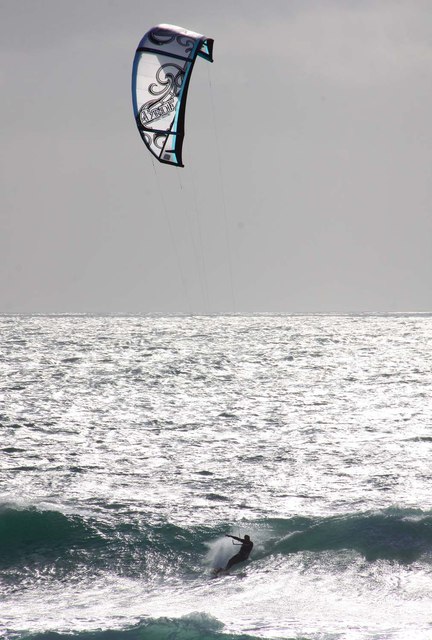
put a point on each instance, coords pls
(130, 445)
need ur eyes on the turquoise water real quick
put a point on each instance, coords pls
(131, 444)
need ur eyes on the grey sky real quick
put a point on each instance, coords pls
(308, 156)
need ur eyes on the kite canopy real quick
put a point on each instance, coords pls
(161, 72)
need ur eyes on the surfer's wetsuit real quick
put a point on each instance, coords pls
(244, 552)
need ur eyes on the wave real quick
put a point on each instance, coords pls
(394, 534)
(195, 626)
(35, 542)
(26, 532)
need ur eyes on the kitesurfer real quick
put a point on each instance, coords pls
(243, 554)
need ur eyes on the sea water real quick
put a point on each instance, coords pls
(130, 445)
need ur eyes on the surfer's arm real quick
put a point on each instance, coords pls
(234, 537)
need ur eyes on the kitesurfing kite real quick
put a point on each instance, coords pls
(161, 72)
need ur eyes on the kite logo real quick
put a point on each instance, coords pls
(157, 112)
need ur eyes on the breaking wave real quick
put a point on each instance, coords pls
(195, 626)
(32, 540)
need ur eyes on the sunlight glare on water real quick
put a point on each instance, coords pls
(131, 444)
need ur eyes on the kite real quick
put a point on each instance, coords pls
(161, 73)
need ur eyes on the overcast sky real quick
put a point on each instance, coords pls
(308, 153)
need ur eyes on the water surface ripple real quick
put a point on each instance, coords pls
(140, 440)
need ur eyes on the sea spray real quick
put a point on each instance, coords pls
(219, 552)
